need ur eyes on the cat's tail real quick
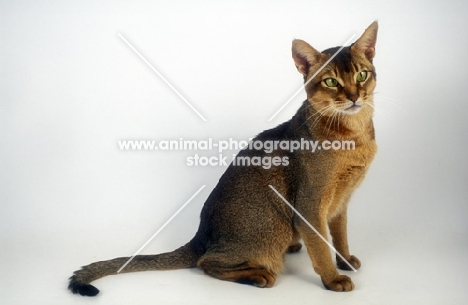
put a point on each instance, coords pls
(184, 257)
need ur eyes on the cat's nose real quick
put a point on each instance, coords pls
(353, 97)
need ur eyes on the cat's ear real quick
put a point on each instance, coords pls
(366, 43)
(304, 56)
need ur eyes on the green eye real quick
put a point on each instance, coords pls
(331, 82)
(362, 76)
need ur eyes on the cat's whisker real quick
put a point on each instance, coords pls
(305, 122)
(340, 116)
(325, 111)
(326, 125)
(333, 116)
(318, 114)
(383, 96)
(332, 122)
(370, 108)
(389, 101)
(379, 111)
(317, 119)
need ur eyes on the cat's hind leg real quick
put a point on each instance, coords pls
(248, 272)
(295, 245)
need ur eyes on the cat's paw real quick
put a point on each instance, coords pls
(339, 283)
(258, 278)
(353, 260)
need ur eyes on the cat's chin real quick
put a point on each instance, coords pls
(351, 110)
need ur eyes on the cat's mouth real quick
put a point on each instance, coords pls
(353, 109)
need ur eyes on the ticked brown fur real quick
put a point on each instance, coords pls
(246, 228)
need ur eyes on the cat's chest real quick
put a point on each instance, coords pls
(359, 156)
(350, 166)
(346, 175)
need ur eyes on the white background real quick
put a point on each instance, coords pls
(70, 88)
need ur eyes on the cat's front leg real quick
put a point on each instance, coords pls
(338, 231)
(319, 253)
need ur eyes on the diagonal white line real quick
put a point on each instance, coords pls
(164, 225)
(315, 74)
(313, 229)
(162, 77)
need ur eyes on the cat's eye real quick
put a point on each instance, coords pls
(331, 82)
(362, 76)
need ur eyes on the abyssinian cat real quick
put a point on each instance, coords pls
(245, 227)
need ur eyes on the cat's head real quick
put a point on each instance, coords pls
(344, 86)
